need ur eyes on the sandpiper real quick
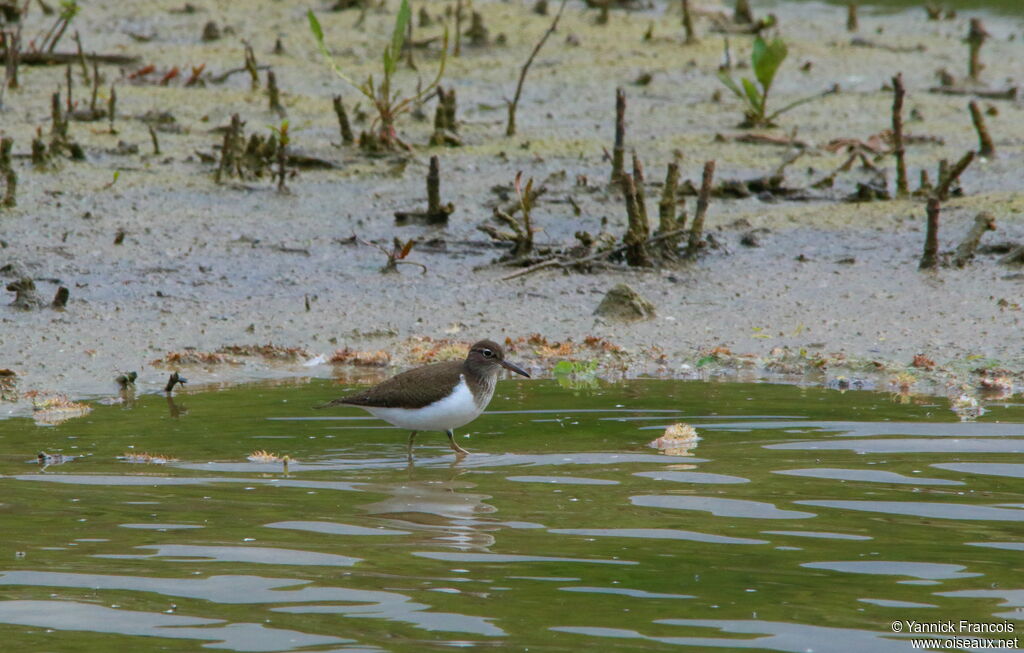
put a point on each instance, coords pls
(437, 397)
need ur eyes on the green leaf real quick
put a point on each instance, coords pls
(394, 52)
(766, 59)
(314, 26)
(731, 85)
(754, 97)
(706, 360)
(562, 367)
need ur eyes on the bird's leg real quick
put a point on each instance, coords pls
(451, 440)
(412, 436)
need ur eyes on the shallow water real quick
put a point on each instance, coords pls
(803, 519)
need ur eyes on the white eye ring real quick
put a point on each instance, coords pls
(487, 352)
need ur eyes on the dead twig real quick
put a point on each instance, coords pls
(510, 127)
(898, 149)
(703, 199)
(983, 222)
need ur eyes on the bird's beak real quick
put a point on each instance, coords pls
(508, 365)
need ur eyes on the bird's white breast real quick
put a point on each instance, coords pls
(453, 411)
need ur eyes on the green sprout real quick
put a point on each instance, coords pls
(388, 103)
(765, 59)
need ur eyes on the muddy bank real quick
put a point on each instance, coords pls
(160, 258)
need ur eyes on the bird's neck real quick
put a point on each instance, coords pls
(482, 382)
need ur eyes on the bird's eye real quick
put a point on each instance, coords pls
(487, 352)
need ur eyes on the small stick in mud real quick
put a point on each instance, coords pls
(347, 137)
(638, 230)
(477, 32)
(156, 141)
(11, 42)
(457, 51)
(619, 151)
(898, 150)
(93, 111)
(112, 108)
(445, 125)
(924, 185)
(691, 35)
(851, 17)
(639, 180)
(60, 299)
(283, 140)
(7, 171)
(229, 149)
(251, 67)
(976, 36)
(930, 257)
(521, 234)
(986, 148)
(510, 127)
(667, 221)
(983, 222)
(694, 243)
(81, 57)
(274, 94)
(948, 177)
(436, 213)
(174, 380)
(69, 106)
(742, 15)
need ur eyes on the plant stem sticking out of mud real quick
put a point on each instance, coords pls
(667, 221)
(949, 176)
(976, 36)
(521, 234)
(695, 241)
(983, 222)
(930, 256)
(283, 140)
(691, 35)
(7, 172)
(445, 124)
(985, 146)
(112, 108)
(274, 95)
(252, 68)
(510, 127)
(638, 229)
(347, 137)
(619, 150)
(852, 24)
(389, 103)
(436, 212)
(898, 149)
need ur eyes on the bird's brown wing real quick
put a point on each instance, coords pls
(413, 389)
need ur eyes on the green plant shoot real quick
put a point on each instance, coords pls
(765, 58)
(388, 104)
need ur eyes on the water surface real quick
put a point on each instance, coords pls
(803, 519)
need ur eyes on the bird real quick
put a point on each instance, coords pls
(437, 397)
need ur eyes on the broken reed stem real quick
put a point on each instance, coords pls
(619, 151)
(252, 68)
(930, 257)
(851, 17)
(274, 94)
(229, 149)
(282, 161)
(67, 77)
(638, 182)
(638, 230)
(12, 47)
(81, 57)
(897, 135)
(949, 177)
(112, 108)
(742, 15)
(976, 36)
(691, 36)
(457, 51)
(703, 198)
(983, 222)
(347, 137)
(95, 86)
(156, 141)
(667, 210)
(510, 128)
(434, 186)
(986, 148)
(7, 171)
